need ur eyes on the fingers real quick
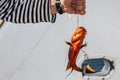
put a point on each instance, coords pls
(70, 10)
(80, 6)
(80, 2)
(81, 12)
(67, 3)
(75, 6)
(74, 11)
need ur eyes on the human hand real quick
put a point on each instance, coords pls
(74, 6)
(70, 6)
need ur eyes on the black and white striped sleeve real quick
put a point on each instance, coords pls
(26, 11)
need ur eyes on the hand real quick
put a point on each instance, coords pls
(74, 6)
(70, 6)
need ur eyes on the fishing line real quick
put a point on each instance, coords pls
(77, 20)
(83, 25)
(85, 41)
(82, 20)
(30, 53)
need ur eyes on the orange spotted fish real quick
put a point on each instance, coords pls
(75, 46)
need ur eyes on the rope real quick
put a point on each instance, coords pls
(29, 54)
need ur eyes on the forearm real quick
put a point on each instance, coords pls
(30, 11)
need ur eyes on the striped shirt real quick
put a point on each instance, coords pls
(26, 11)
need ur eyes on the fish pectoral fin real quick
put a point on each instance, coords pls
(84, 45)
(70, 68)
(68, 43)
(70, 71)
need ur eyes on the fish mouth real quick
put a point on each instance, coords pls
(79, 34)
(81, 27)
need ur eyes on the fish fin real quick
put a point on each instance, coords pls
(68, 66)
(70, 71)
(84, 45)
(68, 43)
(77, 68)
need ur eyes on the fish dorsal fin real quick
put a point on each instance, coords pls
(68, 43)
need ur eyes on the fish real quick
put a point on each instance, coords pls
(76, 45)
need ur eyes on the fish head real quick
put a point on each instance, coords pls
(79, 34)
(81, 30)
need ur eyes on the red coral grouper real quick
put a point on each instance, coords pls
(75, 46)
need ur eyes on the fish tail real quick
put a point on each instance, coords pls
(69, 67)
(70, 72)
(77, 69)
